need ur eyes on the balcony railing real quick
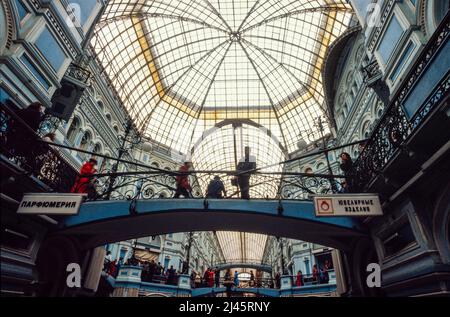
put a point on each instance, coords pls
(22, 146)
(79, 73)
(395, 127)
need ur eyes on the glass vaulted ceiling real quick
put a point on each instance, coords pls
(248, 72)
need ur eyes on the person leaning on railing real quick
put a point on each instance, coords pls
(348, 169)
(22, 139)
(85, 183)
(182, 180)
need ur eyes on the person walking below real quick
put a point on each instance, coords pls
(299, 279)
(326, 275)
(252, 279)
(315, 274)
(192, 279)
(278, 280)
(206, 278)
(211, 278)
(216, 188)
(183, 186)
(171, 276)
(247, 163)
(236, 279)
(217, 277)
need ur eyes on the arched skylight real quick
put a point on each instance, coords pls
(183, 67)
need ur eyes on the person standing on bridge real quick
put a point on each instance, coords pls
(252, 278)
(247, 163)
(348, 169)
(183, 186)
(216, 188)
(83, 182)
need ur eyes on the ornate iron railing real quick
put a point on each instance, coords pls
(162, 184)
(24, 147)
(21, 145)
(394, 128)
(79, 73)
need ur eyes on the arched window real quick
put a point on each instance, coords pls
(73, 130)
(98, 150)
(366, 129)
(116, 129)
(108, 117)
(308, 170)
(380, 111)
(100, 105)
(154, 164)
(85, 140)
(320, 166)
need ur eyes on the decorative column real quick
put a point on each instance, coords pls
(95, 268)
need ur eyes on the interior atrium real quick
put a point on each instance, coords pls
(224, 148)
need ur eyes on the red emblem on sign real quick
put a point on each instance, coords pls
(324, 207)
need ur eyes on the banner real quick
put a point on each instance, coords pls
(347, 205)
(50, 204)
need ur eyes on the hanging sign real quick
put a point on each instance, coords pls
(50, 204)
(347, 205)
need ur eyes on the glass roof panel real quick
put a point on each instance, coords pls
(181, 67)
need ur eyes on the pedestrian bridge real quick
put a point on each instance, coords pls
(102, 222)
(246, 265)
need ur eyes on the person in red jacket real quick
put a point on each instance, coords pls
(84, 184)
(206, 278)
(183, 186)
(299, 280)
(211, 278)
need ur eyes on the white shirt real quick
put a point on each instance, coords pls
(251, 158)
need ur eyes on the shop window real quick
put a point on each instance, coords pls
(85, 141)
